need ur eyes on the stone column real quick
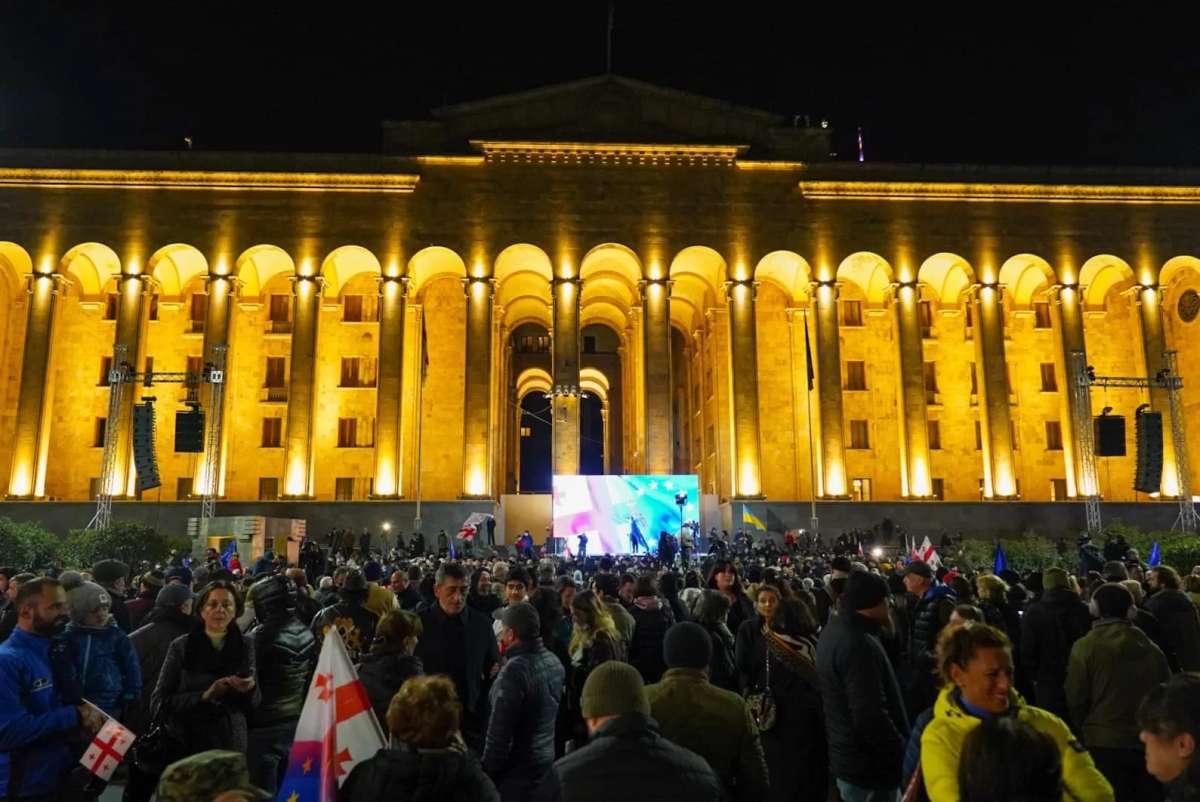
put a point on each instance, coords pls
(131, 292)
(1154, 343)
(1067, 319)
(656, 350)
(218, 324)
(999, 467)
(478, 379)
(743, 349)
(298, 476)
(914, 426)
(565, 393)
(389, 386)
(34, 399)
(829, 390)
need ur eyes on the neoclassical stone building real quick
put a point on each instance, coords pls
(663, 260)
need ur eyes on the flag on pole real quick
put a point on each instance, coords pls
(107, 749)
(1155, 558)
(229, 553)
(752, 519)
(808, 362)
(424, 350)
(1001, 562)
(336, 732)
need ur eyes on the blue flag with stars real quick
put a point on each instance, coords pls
(1155, 558)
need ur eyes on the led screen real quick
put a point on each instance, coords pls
(621, 514)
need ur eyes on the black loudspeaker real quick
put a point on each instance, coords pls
(144, 460)
(1149, 428)
(1110, 436)
(189, 432)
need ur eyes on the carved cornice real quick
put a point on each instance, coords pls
(611, 153)
(212, 180)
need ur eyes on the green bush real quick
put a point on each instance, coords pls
(26, 546)
(128, 542)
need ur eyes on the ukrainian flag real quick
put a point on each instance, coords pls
(752, 519)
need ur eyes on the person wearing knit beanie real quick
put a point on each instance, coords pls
(613, 689)
(86, 601)
(687, 645)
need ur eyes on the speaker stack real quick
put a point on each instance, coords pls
(144, 460)
(1149, 429)
(189, 431)
(1110, 436)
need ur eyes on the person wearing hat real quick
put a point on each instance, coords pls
(171, 618)
(1049, 630)
(710, 721)
(112, 575)
(355, 623)
(207, 776)
(380, 600)
(627, 754)
(518, 751)
(179, 575)
(865, 719)
(102, 666)
(931, 612)
(140, 606)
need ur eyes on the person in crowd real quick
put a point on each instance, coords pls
(1005, 759)
(711, 611)
(6, 573)
(140, 606)
(865, 719)
(652, 618)
(594, 641)
(992, 600)
(1111, 670)
(207, 686)
(286, 654)
(1169, 724)
(391, 661)
(102, 665)
(555, 638)
(1049, 629)
(928, 615)
(425, 760)
(458, 641)
(724, 577)
(306, 605)
(518, 753)
(712, 722)
(606, 587)
(179, 575)
(625, 591)
(480, 596)
(626, 751)
(1143, 618)
(354, 622)
(10, 613)
(1178, 617)
(216, 774)
(977, 666)
(750, 646)
(38, 728)
(171, 618)
(112, 575)
(265, 564)
(402, 586)
(566, 588)
(516, 591)
(380, 600)
(326, 594)
(669, 585)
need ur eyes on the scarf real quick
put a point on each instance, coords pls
(199, 654)
(795, 654)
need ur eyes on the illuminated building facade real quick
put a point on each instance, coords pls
(658, 259)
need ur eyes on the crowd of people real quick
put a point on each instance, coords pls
(745, 674)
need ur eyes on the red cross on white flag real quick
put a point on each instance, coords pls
(107, 749)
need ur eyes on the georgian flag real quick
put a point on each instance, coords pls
(107, 749)
(337, 729)
(928, 554)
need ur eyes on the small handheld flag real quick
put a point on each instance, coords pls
(107, 749)
(1155, 558)
(229, 553)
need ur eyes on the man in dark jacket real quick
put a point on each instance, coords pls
(458, 641)
(865, 719)
(286, 652)
(1048, 631)
(9, 613)
(1112, 669)
(931, 613)
(406, 595)
(626, 753)
(354, 622)
(518, 753)
(113, 575)
(1178, 617)
(710, 721)
(140, 606)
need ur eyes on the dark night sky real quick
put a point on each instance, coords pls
(1103, 87)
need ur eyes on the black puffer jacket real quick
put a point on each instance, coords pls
(151, 642)
(382, 675)
(930, 614)
(1180, 623)
(629, 756)
(722, 668)
(865, 720)
(1049, 629)
(403, 774)
(519, 748)
(652, 618)
(285, 649)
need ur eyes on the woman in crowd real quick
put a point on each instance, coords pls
(977, 668)
(670, 584)
(997, 611)
(750, 646)
(724, 577)
(549, 609)
(1169, 720)
(426, 760)
(594, 640)
(652, 618)
(390, 662)
(566, 588)
(711, 611)
(208, 684)
(1006, 760)
(480, 597)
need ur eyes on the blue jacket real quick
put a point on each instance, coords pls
(35, 725)
(103, 667)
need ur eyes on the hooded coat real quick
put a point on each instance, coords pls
(104, 666)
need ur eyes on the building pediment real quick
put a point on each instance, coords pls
(607, 109)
